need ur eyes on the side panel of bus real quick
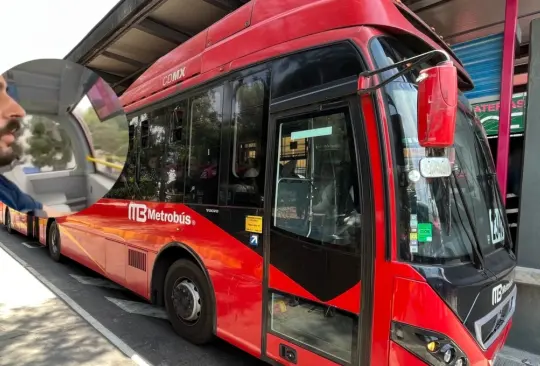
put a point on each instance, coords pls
(19, 221)
(215, 135)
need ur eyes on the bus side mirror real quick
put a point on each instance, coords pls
(437, 106)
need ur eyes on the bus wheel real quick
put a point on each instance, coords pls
(188, 302)
(54, 242)
(7, 221)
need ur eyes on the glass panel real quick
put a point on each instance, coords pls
(324, 328)
(316, 183)
(312, 68)
(204, 148)
(125, 186)
(151, 161)
(249, 141)
(104, 134)
(176, 159)
(440, 217)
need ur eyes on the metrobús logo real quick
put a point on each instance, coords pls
(139, 212)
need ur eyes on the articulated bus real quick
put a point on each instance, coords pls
(307, 181)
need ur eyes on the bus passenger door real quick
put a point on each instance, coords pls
(313, 237)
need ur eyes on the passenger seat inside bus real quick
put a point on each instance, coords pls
(56, 200)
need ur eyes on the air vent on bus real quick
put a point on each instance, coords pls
(137, 259)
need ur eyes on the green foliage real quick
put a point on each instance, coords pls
(49, 145)
(110, 136)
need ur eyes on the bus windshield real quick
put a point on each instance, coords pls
(441, 220)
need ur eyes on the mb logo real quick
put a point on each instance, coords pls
(498, 292)
(137, 212)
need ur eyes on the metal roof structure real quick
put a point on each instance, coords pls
(136, 33)
(49, 87)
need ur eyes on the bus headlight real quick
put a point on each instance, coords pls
(448, 354)
(431, 347)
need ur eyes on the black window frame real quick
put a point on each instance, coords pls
(221, 87)
(248, 75)
(347, 108)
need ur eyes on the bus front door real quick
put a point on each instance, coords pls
(312, 260)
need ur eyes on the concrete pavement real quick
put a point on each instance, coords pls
(39, 329)
(515, 357)
(136, 328)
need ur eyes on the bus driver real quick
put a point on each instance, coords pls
(11, 114)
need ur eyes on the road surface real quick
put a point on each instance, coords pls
(136, 325)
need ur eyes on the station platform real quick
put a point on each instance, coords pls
(37, 328)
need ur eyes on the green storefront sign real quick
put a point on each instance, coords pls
(488, 114)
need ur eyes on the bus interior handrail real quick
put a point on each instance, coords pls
(105, 163)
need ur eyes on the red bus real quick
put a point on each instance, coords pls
(269, 202)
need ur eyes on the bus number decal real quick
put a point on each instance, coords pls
(139, 212)
(496, 224)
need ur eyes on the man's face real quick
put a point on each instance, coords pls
(11, 114)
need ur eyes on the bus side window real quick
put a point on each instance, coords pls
(153, 141)
(176, 155)
(145, 131)
(125, 186)
(309, 69)
(206, 113)
(246, 177)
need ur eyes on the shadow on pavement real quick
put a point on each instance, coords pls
(49, 334)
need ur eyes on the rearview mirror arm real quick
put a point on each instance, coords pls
(415, 61)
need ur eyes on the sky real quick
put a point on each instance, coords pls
(34, 29)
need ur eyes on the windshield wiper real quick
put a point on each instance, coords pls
(478, 257)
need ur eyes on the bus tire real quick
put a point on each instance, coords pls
(54, 244)
(7, 222)
(188, 302)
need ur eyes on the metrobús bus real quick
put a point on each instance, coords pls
(280, 196)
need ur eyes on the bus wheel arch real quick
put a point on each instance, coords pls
(167, 256)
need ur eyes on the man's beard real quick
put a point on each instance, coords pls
(12, 127)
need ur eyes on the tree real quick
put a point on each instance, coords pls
(49, 145)
(111, 137)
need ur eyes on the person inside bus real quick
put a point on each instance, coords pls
(252, 169)
(337, 199)
(11, 115)
(208, 182)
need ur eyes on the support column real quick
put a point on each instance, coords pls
(507, 85)
(528, 228)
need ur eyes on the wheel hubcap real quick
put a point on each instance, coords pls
(187, 301)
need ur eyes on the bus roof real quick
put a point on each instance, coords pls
(272, 22)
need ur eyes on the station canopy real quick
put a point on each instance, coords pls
(136, 33)
(49, 87)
